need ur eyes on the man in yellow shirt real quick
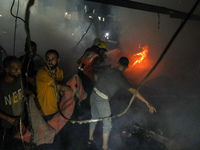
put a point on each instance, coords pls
(46, 91)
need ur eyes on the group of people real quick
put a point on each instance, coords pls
(21, 82)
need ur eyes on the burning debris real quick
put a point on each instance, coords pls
(139, 131)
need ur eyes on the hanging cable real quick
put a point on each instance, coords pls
(84, 34)
(28, 38)
(15, 30)
(16, 17)
(31, 55)
(13, 14)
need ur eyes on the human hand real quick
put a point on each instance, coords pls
(79, 103)
(32, 81)
(32, 96)
(16, 122)
(151, 108)
(13, 121)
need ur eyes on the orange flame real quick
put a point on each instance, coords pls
(143, 54)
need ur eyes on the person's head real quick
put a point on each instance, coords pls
(96, 40)
(103, 48)
(12, 66)
(123, 63)
(33, 47)
(52, 58)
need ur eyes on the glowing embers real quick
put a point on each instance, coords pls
(142, 55)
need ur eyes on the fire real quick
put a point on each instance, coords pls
(142, 54)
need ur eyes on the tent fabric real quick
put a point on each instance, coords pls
(44, 132)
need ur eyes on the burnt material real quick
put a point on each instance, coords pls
(140, 131)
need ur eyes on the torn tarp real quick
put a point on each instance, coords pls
(44, 132)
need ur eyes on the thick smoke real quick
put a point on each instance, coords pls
(49, 28)
(176, 74)
(142, 28)
(171, 88)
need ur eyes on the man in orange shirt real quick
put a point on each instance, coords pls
(89, 64)
(46, 91)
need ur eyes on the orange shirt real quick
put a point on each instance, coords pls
(86, 63)
(45, 93)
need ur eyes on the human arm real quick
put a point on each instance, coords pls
(30, 93)
(95, 77)
(99, 63)
(61, 88)
(140, 97)
(79, 60)
(87, 51)
(11, 120)
(102, 67)
(44, 78)
(32, 81)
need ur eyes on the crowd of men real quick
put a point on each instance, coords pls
(21, 82)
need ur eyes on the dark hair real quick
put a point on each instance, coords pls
(32, 44)
(124, 61)
(8, 60)
(52, 51)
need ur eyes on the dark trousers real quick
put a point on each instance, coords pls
(88, 86)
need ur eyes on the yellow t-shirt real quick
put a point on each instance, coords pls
(45, 93)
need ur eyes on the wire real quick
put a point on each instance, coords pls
(13, 14)
(27, 16)
(16, 17)
(84, 35)
(15, 30)
(31, 55)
